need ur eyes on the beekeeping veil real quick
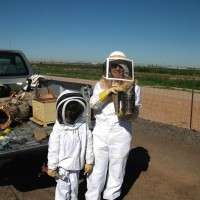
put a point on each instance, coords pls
(120, 59)
(70, 106)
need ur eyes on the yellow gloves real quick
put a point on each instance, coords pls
(51, 172)
(103, 96)
(88, 168)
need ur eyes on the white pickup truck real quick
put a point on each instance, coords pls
(15, 81)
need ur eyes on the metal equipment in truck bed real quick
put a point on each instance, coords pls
(31, 135)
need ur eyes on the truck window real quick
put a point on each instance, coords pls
(12, 65)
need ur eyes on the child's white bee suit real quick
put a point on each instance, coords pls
(70, 146)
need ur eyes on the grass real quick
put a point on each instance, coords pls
(169, 83)
(147, 76)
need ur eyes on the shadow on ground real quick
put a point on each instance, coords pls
(23, 174)
(138, 161)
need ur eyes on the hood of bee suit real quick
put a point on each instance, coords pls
(64, 98)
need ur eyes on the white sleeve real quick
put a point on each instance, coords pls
(54, 147)
(89, 148)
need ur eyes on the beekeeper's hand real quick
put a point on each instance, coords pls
(115, 89)
(51, 172)
(88, 168)
(103, 96)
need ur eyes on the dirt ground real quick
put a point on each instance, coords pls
(163, 165)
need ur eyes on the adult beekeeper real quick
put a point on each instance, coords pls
(70, 145)
(116, 101)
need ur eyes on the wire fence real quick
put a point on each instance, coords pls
(179, 108)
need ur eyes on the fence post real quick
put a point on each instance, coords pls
(191, 110)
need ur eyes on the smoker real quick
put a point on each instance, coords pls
(124, 102)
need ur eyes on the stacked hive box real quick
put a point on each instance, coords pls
(44, 111)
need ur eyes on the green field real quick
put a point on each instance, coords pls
(174, 78)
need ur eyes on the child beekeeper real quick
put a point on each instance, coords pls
(70, 145)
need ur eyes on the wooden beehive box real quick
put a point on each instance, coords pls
(44, 111)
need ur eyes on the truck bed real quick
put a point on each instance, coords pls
(22, 136)
(22, 140)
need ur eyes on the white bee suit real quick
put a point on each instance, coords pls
(111, 145)
(69, 147)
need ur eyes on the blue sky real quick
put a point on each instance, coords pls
(162, 32)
